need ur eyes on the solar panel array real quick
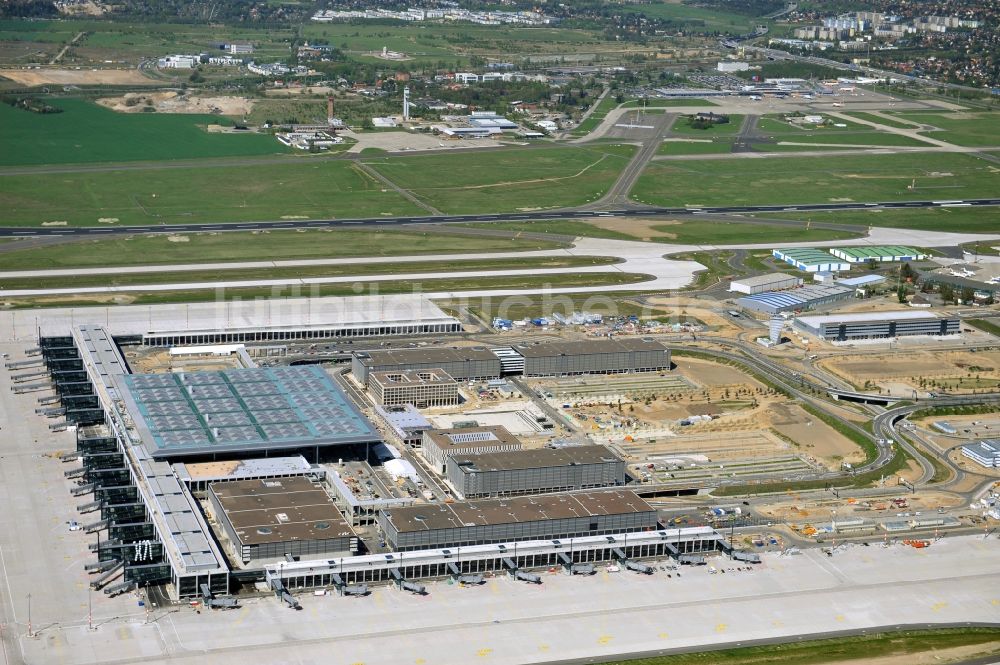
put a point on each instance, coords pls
(243, 410)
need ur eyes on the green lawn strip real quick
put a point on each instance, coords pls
(871, 138)
(956, 410)
(254, 246)
(888, 122)
(834, 178)
(710, 147)
(348, 269)
(661, 102)
(566, 227)
(732, 233)
(716, 268)
(779, 147)
(958, 220)
(985, 326)
(528, 282)
(981, 128)
(508, 180)
(818, 652)
(85, 132)
(591, 122)
(300, 189)
(986, 248)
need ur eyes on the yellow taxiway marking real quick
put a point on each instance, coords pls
(720, 627)
(663, 636)
(840, 617)
(777, 623)
(605, 639)
(995, 601)
(419, 661)
(937, 607)
(483, 653)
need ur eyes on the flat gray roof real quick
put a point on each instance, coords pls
(280, 510)
(413, 377)
(242, 469)
(242, 410)
(588, 347)
(862, 317)
(425, 356)
(764, 280)
(471, 437)
(519, 509)
(535, 459)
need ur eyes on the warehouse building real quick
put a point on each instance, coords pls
(535, 471)
(878, 325)
(269, 519)
(984, 453)
(796, 300)
(511, 520)
(878, 253)
(599, 356)
(811, 260)
(775, 281)
(461, 363)
(421, 388)
(242, 411)
(438, 445)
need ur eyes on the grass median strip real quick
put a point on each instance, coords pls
(304, 272)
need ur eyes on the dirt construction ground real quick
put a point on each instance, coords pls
(953, 370)
(31, 77)
(173, 102)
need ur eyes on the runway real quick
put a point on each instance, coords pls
(93, 231)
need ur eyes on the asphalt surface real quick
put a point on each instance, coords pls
(28, 232)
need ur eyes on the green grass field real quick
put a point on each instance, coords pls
(991, 327)
(349, 269)
(888, 122)
(508, 180)
(975, 129)
(853, 133)
(912, 644)
(712, 147)
(956, 220)
(699, 232)
(86, 133)
(835, 178)
(297, 190)
(250, 246)
(595, 118)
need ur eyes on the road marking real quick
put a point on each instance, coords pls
(840, 617)
(937, 607)
(663, 636)
(605, 639)
(720, 627)
(484, 653)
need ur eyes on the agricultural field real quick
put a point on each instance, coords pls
(508, 180)
(253, 246)
(88, 133)
(296, 190)
(833, 179)
(956, 220)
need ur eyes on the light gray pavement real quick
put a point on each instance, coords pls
(637, 258)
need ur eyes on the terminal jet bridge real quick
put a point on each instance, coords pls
(406, 585)
(461, 578)
(345, 589)
(519, 574)
(576, 568)
(630, 564)
(281, 592)
(224, 602)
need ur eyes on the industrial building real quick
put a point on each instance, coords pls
(878, 325)
(405, 422)
(421, 388)
(775, 281)
(561, 516)
(985, 453)
(796, 300)
(534, 471)
(811, 260)
(240, 411)
(438, 445)
(599, 356)
(878, 253)
(269, 519)
(462, 363)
